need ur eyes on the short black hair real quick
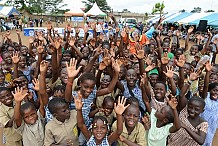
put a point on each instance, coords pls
(132, 100)
(25, 106)
(87, 76)
(59, 88)
(198, 99)
(55, 102)
(108, 99)
(4, 89)
(169, 115)
(161, 82)
(212, 86)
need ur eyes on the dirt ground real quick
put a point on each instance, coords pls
(25, 41)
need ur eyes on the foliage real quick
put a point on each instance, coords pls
(101, 3)
(158, 8)
(36, 6)
(208, 11)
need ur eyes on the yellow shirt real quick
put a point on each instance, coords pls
(12, 137)
(60, 133)
(138, 135)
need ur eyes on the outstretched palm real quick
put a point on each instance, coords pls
(120, 107)
(71, 68)
(19, 94)
(15, 58)
(169, 72)
(78, 101)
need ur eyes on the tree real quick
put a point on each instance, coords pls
(208, 11)
(37, 6)
(102, 4)
(158, 8)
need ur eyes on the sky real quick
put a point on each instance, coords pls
(143, 6)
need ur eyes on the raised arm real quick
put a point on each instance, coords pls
(169, 75)
(15, 58)
(72, 72)
(176, 124)
(80, 120)
(208, 68)
(42, 83)
(119, 108)
(19, 38)
(113, 82)
(19, 95)
(180, 63)
(208, 42)
(191, 28)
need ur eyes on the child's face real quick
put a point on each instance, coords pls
(213, 78)
(214, 93)
(99, 130)
(153, 79)
(22, 62)
(194, 50)
(166, 46)
(159, 91)
(136, 68)
(122, 73)
(66, 57)
(30, 116)
(131, 116)
(62, 112)
(23, 82)
(108, 108)
(162, 113)
(105, 81)
(187, 69)
(6, 97)
(23, 51)
(178, 53)
(87, 87)
(7, 58)
(64, 75)
(85, 52)
(131, 77)
(194, 109)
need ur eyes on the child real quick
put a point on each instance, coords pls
(106, 110)
(133, 132)
(7, 118)
(62, 129)
(28, 122)
(210, 95)
(98, 135)
(194, 128)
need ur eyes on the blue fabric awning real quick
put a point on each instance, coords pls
(213, 23)
(210, 18)
(9, 10)
(179, 17)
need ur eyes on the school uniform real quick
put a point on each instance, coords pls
(59, 133)
(137, 136)
(33, 135)
(12, 137)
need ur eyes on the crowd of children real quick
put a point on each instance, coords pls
(129, 89)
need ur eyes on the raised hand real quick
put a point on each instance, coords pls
(140, 53)
(19, 94)
(150, 67)
(120, 107)
(169, 72)
(181, 61)
(40, 49)
(144, 79)
(123, 34)
(78, 101)
(15, 57)
(146, 121)
(209, 33)
(72, 41)
(31, 40)
(172, 102)
(43, 66)
(190, 30)
(208, 66)
(72, 72)
(115, 66)
(77, 30)
(165, 59)
(195, 75)
(117, 29)
(35, 84)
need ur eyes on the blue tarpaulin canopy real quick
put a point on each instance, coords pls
(179, 17)
(210, 18)
(9, 10)
(213, 23)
